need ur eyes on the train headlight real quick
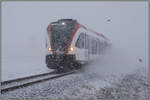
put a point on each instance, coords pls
(49, 49)
(63, 23)
(71, 49)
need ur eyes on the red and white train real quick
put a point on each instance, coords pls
(70, 44)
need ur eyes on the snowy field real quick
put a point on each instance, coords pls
(22, 67)
(88, 86)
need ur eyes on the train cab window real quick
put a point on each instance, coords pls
(81, 41)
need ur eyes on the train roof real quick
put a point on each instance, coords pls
(66, 20)
(60, 20)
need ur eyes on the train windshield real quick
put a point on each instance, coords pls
(61, 33)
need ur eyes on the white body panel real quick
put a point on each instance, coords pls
(82, 54)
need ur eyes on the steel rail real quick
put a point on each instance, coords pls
(24, 78)
(26, 81)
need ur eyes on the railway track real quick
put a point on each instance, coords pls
(26, 81)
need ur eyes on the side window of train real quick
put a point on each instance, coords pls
(90, 45)
(86, 41)
(81, 41)
(99, 47)
(94, 46)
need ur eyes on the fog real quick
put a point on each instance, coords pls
(124, 23)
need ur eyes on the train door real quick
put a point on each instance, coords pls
(86, 47)
(82, 53)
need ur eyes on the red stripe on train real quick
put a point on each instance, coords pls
(50, 38)
(99, 34)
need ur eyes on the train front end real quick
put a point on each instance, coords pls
(58, 44)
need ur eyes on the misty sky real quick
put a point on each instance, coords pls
(24, 25)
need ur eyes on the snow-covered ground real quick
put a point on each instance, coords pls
(79, 85)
